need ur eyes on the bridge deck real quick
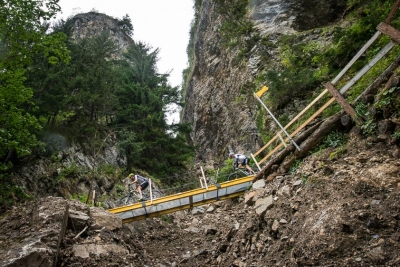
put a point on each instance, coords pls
(184, 200)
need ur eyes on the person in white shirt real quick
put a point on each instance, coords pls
(141, 183)
(240, 161)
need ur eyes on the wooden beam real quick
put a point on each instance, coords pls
(391, 14)
(345, 105)
(393, 33)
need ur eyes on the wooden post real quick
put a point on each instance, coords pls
(385, 126)
(151, 191)
(93, 196)
(255, 161)
(204, 177)
(391, 14)
(393, 33)
(345, 105)
(283, 141)
(346, 121)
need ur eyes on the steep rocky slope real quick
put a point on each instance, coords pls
(219, 101)
(340, 207)
(332, 211)
(340, 211)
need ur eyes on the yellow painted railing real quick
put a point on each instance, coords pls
(184, 200)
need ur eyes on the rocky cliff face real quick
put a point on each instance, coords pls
(219, 104)
(218, 120)
(90, 24)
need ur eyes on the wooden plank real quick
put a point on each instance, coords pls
(340, 99)
(357, 56)
(393, 33)
(319, 111)
(391, 14)
(372, 88)
(367, 67)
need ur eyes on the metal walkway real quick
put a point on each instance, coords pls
(182, 201)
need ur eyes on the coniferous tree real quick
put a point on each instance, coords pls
(143, 97)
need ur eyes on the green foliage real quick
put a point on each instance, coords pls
(81, 197)
(119, 188)
(331, 110)
(95, 93)
(296, 165)
(226, 170)
(335, 139)
(338, 152)
(369, 127)
(284, 119)
(361, 110)
(143, 96)
(125, 25)
(237, 29)
(10, 194)
(22, 37)
(396, 134)
(70, 172)
(389, 100)
(51, 84)
(108, 169)
(167, 218)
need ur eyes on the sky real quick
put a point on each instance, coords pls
(163, 24)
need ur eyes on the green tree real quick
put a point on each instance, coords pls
(237, 29)
(143, 96)
(126, 25)
(22, 36)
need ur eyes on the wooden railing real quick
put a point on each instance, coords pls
(382, 28)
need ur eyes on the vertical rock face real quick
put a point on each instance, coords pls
(90, 24)
(272, 15)
(219, 105)
(220, 122)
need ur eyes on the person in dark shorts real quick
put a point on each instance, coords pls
(240, 161)
(140, 182)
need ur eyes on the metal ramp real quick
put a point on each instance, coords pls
(184, 200)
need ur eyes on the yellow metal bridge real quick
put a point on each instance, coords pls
(184, 200)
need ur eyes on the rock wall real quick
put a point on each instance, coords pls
(219, 105)
(90, 24)
(220, 123)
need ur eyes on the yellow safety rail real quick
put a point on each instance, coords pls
(182, 201)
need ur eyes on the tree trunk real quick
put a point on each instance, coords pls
(371, 111)
(385, 126)
(12, 154)
(368, 99)
(281, 155)
(330, 124)
(356, 130)
(346, 121)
